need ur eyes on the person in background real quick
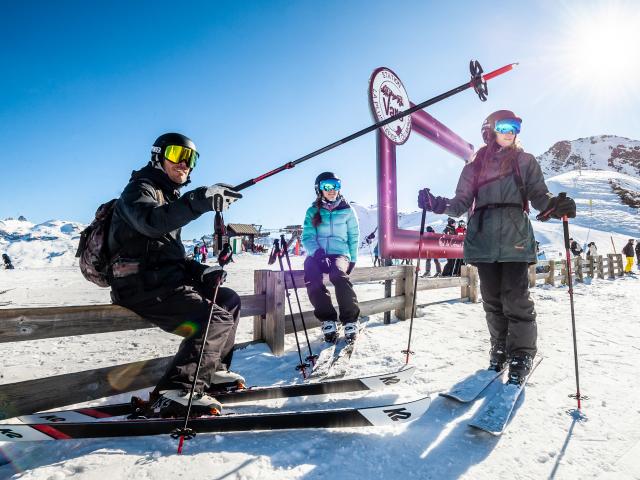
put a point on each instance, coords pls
(628, 252)
(575, 248)
(376, 256)
(498, 185)
(450, 229)
(204, 253)
(460, 230)
(592, 251)
(330, 236)
(7, 262)
(638, 253)
(196, 253)
(427, 267)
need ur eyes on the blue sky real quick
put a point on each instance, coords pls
(86, 87)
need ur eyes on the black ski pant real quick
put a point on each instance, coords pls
(319, 295)
(510, 313)
(185, 311)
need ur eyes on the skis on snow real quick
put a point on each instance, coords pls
(333, 361)
(382, 415)
(495, 414)
(468, 389)
(94, 414)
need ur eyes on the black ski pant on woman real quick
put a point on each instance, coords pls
(510, 312)
(319, 295)
(185, 311)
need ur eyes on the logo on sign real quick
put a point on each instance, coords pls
(388, 97)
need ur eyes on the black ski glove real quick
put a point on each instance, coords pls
(323, 261)
(221, 194)
(212, 277)
(426, 200)
(350, 268)
(558, 207)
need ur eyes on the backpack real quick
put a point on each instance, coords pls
(92, 249)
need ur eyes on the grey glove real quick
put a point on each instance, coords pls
(213, 276)
(221, 195)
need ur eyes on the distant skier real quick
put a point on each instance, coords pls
(376, 256)
(575, 248)
(330, 236)
(7, 262)
(427, 267)
(196, 253)
(628, 252)
(450, 229)
(638, 253)
(152, 277)
(499, 182)
(457, 265)
(204, 253)
(592, 250)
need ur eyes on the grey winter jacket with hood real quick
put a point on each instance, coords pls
(500, 234)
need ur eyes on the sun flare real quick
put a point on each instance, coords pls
(602, 51)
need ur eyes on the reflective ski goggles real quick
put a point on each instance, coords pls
(508, 125)
(177, 154)
(329, 185)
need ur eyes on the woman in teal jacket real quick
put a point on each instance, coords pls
(330, 237)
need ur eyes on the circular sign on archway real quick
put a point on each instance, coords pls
(388, 97)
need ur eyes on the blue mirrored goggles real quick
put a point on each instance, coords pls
(330, 185)
(508, 125)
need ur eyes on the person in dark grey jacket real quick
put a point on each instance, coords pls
(497, 186)
(151, 275)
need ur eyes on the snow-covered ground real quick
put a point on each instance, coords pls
(450, 341)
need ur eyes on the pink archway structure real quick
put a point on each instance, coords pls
(401, 243)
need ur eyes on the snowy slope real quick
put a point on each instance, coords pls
(602, 152)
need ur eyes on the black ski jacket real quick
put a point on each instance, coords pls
(628, 250)
(147, 255)
(638, 249)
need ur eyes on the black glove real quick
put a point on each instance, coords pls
(213, 276)
(427, 201)
(323, 261)
(558, 207)
(320, 254)
(350, 268)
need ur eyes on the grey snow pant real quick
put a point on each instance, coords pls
(185, 311)
(509, 310)
(319, 295)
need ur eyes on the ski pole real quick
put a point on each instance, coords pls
(311, 358)
(565, 227)
(302, 366)
(415, 285)
(186, 433)
(477, 82)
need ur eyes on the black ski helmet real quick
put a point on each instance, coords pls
(490, 123)
(166, 139)
(324, 176)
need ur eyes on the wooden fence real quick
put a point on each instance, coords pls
(266, 306)
(599, 266)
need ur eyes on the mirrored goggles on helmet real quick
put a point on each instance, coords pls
(177, 154)
(508, 125)
(329, 185)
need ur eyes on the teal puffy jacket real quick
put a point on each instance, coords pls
(338, 233)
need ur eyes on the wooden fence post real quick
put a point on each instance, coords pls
(600, 267)
(259, 288)
(404, 286)
(612, 265)
(532, 276)
(620, 264)
(591, 271)
(274, 319)
(578, 270)
(464, 289)
(474, 284)
(551, 278)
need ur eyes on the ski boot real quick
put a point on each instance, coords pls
(225, 380)
(351, 331)
(173, 403)
(330, 331)
(497, 357)
(519, 369)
